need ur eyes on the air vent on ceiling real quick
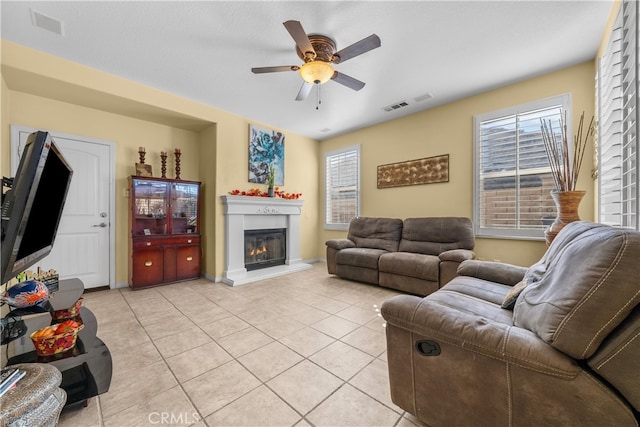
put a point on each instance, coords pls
(325, 130)
(46, 22)
(396, 106)
(424, 97)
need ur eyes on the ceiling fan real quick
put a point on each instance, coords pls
(318, 53)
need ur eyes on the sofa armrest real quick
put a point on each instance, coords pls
(333, 247)
(457, 255)
(339, 244)
(506, 274)
(442, 317)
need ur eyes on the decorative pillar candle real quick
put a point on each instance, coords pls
(177, 154)
(163, 163)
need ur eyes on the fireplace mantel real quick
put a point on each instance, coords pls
(252, 213)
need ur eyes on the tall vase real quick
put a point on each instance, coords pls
(567, 203)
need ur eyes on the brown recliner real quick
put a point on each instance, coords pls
(356, 257)
(568, 354)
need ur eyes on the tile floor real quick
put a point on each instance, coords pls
(298, 350)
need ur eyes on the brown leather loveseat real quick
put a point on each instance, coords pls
(567, 355)
(417, 255)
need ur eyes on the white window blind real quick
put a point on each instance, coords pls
(609, 111)
(342, 187)
(630, 156)
(617, 104)
(513, 179)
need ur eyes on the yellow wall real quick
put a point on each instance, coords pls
(301, 160)
(449, 130)
(613, 14)
(127, 133)
(71, 98)
(208, 144)
(47, 92)
(4, 131)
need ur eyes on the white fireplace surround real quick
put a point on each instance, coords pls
(255, 213)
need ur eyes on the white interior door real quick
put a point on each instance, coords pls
(83, 245)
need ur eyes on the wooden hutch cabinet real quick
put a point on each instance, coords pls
(164, 222)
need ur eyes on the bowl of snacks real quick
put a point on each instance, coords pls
(69, 313)
(56, 338)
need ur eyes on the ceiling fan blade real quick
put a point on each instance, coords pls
(348, 81)
(261, 70)
(358, 48)
(299, 36)
(304, 91)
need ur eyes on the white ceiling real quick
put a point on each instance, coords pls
(205, 50)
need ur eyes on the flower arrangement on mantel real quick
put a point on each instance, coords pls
(256, 192)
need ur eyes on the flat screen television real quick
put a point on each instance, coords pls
(32, 208)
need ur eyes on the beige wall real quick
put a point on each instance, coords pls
(71, 98)
(449, 130)
(613, 14)
(47, 92)
(127, 134)
(301, 162)
(4, 131)
(208, 145)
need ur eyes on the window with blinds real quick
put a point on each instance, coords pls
(342, 187)
(618, 123)
(609, 113)
(630, 156)
(513, 179)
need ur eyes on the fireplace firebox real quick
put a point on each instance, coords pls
(264, 248)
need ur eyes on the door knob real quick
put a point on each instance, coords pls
(101, 225)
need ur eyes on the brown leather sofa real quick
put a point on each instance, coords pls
(417, 255)
(567, 355)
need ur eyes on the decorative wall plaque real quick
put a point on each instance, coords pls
(413, 172)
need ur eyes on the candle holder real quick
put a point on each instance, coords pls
(177, 154)
(163, 163)
(141, 168)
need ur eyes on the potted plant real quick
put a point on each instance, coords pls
(271, 175)
(565, 168)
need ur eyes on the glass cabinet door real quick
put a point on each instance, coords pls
(184, 208)
(150, 207)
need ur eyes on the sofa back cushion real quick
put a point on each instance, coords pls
(376, 233)
(434, 235)
(585, 285)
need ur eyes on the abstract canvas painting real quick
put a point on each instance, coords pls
(266, 148)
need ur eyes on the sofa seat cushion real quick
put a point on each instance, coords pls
(360, 257)
(421, 266)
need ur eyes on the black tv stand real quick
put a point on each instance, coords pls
(87, 367)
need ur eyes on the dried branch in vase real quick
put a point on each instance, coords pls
(565, 164)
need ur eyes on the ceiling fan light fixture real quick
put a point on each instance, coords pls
(316, 72)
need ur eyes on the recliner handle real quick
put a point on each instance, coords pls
(428, 348)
